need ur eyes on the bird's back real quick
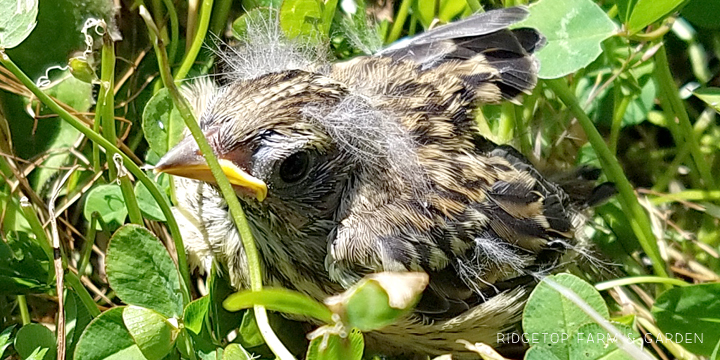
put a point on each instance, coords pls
(483, 222)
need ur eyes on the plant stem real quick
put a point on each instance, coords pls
(129, 164)
(174, 29)
(24, 313)
(638, 219)
(248, 242)
(106, 100)
(130, 200)
(676, 349)
(197, 42)
(675, 104)
(89, 241)
(73, 280)
(220, 16)
(474, 5)
(605, 285)
(688, 195)
(621, 105)
(507, 123)
(399, 22)
(41, 237)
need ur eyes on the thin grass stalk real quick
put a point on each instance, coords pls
(248, 242)
(639, 221)
(129, 164)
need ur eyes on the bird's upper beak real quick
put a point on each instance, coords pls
(186, 160)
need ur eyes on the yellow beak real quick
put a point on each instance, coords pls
(186, 160)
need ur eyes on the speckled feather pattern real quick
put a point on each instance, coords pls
(400, 179)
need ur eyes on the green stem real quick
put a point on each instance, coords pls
(74, 282)
(474, 5)
(129, 164)
(95, 146)
(507, 123)
(621, 105)
(130, 200)
(41, 237)
(24, 313)
(89, 241)
(221, 12)
(399, 22)
(677, 350)
(248, 242)
(605, 285)
(197, 42)
(675, 104)
(174, 29)
(688, 195)
(639, 220)
(106, 100)
(523, 118)
(662, 183)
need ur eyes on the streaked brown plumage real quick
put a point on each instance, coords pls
(376, 164)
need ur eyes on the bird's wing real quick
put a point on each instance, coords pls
(480, 40)
(487, 225)
(490, 61)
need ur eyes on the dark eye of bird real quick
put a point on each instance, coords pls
(295, 167)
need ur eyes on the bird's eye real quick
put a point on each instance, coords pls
(295, 167)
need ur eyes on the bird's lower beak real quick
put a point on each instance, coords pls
(186, 160)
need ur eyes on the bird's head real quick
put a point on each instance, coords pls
(279, 160)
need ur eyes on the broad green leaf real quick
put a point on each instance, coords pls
(5, 339)
(221, 320)
(450, 9)
(647, 12)
(236, 352)
(23, 266)
(710, 96)
(38, 354)
(694, 313)
(152, 333)
(107, 338)
(547, 311)
(279, 299)
(108, 201)
(348, 348)
(141, 272)
(592, 342)
(77, 318)
(328, 10)
(147, 203)
(77, 95)
(14, 219)
(161, 123)
(424, 10)
(574, 30)
(301, 18)
(250, 335)
(625, 8)
(33, 337)
(540, 353)
(17, 21)
(378, 299)
(703, 13)
(195, 313)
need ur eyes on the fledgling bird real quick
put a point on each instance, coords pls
(376, 164)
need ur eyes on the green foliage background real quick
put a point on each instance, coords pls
(631, 86)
